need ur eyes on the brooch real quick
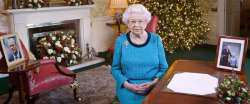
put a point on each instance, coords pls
(126, 44)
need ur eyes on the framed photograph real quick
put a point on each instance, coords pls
(12, 50)
(231, 53)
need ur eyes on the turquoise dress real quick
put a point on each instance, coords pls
(137, 64)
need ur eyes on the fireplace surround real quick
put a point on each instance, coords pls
(39, 31)
(25, 21)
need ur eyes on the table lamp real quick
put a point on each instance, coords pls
(118, 5)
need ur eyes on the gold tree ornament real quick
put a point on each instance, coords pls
(181, 23)
(133, 1)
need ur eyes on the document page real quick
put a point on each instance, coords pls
(193, 83)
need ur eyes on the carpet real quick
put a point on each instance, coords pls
(97, 87)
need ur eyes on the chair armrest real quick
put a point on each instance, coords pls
(47, 61)
(63, 72)
(59, 68)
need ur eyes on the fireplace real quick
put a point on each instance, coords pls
(31, 24)
(36, 32)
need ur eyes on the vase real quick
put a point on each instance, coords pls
(2, 5)
(237, 100)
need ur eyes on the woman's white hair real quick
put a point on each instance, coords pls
(136, 8)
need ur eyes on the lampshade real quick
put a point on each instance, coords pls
(118, 4)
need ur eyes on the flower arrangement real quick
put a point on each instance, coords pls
(33, 4)
(61, 46)
(74, 2)
(232, 90)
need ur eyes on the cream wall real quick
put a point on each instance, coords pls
(100, 8)
(101, 33)
(3, 19)
(100, 29)
(211, 9)
(207, 5)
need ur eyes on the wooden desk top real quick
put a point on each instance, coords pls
(156, 96)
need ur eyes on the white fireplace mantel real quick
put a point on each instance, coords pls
(62, 8)
(21, 19)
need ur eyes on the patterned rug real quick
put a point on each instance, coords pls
(97, 87)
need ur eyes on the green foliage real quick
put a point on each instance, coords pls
(232, 90)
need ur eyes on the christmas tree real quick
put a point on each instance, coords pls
(181, 23)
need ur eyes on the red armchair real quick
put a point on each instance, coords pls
(151, 27)
(49, 76)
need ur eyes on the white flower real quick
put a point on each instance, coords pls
(59, 59)
(75, 62)
(228, 98)
(62, 55)
(58, 44)
(72, 42)
(45, 43)
(48, 44)
(50, 51)
(39, 6)
(64, 37)
(45, 57)
(52, 57)
(76, 52)
(74, 56)
(50, 34)
(53, 38)
(41, 1)
(66, 49)
(71, 61)
(43, 39)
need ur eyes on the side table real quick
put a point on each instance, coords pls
(17, 78)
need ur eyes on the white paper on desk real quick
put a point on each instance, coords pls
(193, 83)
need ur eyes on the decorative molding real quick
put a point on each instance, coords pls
(46, 9)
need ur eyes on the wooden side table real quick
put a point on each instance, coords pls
(17, 78)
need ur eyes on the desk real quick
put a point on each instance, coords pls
(156, 96)
(17, 78)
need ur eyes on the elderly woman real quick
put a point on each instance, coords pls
(139, 60)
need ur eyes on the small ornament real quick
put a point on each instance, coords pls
(126, 43)
(90, 53)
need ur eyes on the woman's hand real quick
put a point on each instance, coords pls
(140, 88)
(134, 87)
(149, 85)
